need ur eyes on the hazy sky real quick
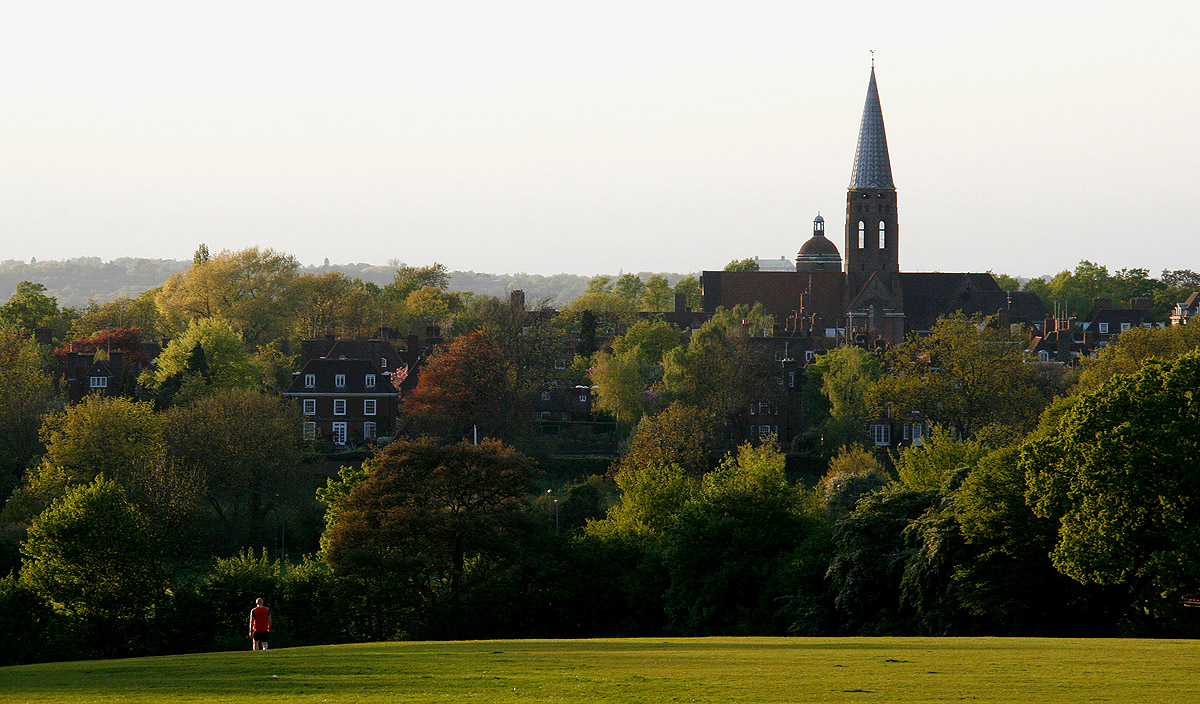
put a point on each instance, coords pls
(552, 136)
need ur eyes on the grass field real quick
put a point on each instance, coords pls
(792, 670)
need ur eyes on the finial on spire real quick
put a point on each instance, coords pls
(872, 59)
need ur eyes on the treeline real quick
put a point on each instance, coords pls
(78, 282)
(1031, 499)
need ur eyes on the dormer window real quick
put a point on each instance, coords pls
(339, 380)
(369, 381)
(310, 381)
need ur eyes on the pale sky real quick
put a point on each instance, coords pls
(547, 137)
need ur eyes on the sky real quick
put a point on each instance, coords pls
(547, 137)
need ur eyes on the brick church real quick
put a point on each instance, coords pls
(864, 294)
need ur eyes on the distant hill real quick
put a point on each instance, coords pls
(74, 281)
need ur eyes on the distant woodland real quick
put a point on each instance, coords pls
(74, 282)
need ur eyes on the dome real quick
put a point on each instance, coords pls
(818, 218)
(818, 245)
(818, 254)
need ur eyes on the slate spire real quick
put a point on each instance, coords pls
(872, 166)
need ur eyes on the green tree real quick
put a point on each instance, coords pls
(1131, 350)
(26, 396)
(332, 302)
(964, 375)
(742, 265)
(427, 519)
(1119, 476)
(729, 553)
(631, 288)
(1006, 282)
(658, 295)
(845, 375)
(678, 435)
(114, 436)
(210, 355)
(253, 289)
(29, 307)
(689, 286)
(92, 556)
(721, 349)
(626, 378)
(245, 447)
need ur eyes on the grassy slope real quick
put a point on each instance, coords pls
(651, 670)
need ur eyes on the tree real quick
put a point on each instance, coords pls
(115, 436)
(853, 473)
(252, 289)
(1131, 350)
(689, 286)
(26, 396)
(1119, 476)
(742, 265)
(245, 446)
(209, 355)
(678, 435)
(728, 554)
(1006, 282)
(721, 349)
(658, 295)
(409, 279)
(425, 514)
(467, 385)
(964, 375)
(331, 302)
(845, 374)
(631, 288)
(625, 378)
(140, 313)
(29, 307)
(90, 553)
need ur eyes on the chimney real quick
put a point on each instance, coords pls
(384, 332)
(1139, 303)
(516, 299)
(681, 303)
(43, 336)
(116, 362)
(1003, 319)
(1102, 303)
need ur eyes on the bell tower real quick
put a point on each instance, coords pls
(872, 236)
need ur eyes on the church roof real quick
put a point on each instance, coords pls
(872, 166)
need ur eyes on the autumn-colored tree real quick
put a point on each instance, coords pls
(127, 340)
(466, 388)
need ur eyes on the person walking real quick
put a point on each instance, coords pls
(260, 625)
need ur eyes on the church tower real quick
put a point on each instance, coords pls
(872, 238)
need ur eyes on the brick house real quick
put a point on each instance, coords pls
(348, 401)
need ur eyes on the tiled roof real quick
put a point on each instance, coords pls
(325, 372)
(872, 166)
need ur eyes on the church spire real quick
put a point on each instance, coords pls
(872, 166)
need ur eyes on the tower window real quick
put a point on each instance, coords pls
(862, 234)
(882, 234)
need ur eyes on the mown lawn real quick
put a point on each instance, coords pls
(791, 670)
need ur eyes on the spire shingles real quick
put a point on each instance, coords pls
(872, 167)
